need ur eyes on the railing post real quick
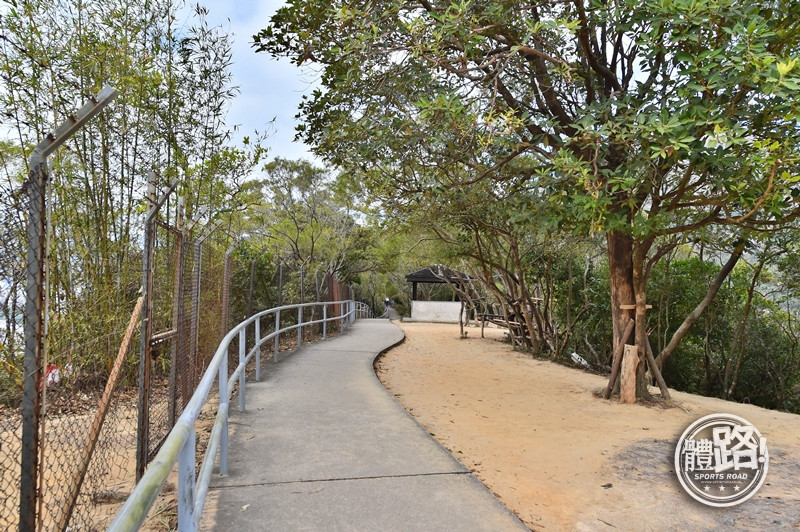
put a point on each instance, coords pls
(223, 400)
(277, 334)
(299, 326)
(242, 350)
(324, 320)
(186, 479)
(258, 349)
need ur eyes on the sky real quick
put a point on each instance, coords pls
(270, 89)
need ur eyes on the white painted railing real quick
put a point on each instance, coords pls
(180, 444)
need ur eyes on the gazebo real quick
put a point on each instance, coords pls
(436, 311)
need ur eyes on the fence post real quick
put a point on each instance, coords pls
(242, 349)
(177, 316)
(186, 480)
(154, 204)
(143, 431)
(324, 320)
(223, 403)
(258, 349)
(226, 290)
(277, 334)
(299, 326)
(34, 346)
(34, 321)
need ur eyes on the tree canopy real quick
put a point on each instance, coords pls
(645, 121)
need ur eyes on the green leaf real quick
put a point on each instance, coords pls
(785, 68)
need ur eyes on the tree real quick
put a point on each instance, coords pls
(314, 225)
(174, 87)
(643, 121)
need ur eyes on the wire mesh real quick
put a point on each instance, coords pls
(74, 481)
(209, 308)
(188, 292)
(165, 271)
(82, 443)
(10, 453)
(13, 272)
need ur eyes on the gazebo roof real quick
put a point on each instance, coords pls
(436, 274)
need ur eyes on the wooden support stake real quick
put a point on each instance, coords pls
(612, 380)
(651, 362)
(102, 409)
(627, 378)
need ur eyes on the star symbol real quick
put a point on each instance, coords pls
(736, 488)
(707, 488)
(722, 488)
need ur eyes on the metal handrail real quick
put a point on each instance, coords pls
(362, 310)
(180, 447)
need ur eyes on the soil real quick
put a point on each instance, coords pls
(561, 458)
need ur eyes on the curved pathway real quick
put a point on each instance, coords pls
(323, 446)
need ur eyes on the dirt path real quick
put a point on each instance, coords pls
(561, 458)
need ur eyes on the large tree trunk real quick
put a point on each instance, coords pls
(621, 275)
(620, 271)
(628, 277)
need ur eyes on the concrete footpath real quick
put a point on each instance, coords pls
(323, 446)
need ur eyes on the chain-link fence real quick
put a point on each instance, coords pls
(187, 274)
(71, 340)
(22, 292)
(68, 448)
(107, 324)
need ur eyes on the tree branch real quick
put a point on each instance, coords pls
(702, 306)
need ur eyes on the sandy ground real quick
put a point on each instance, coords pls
(562, 459)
